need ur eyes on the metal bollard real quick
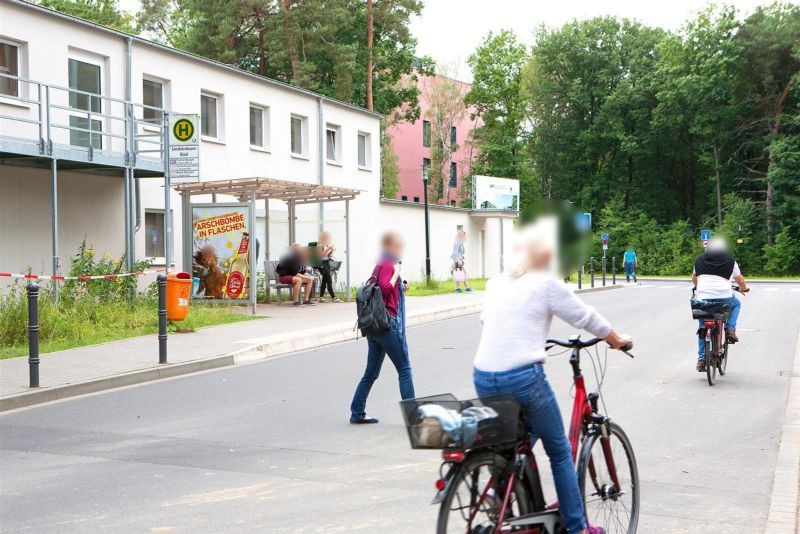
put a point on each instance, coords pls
(580, 276)
(604, 271)
(33, 335)
(613, 270)
(591, 270)
(162, 318)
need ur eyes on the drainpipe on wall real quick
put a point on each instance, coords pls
(321, 158)
(129, 97)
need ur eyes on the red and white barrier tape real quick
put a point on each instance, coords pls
(95, 277)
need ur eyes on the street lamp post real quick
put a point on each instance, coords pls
(427, 224)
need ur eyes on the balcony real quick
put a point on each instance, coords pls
(81, 130)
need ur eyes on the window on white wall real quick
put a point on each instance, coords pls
(210, 116)
(299, 135)
(154, 235)
(9, 66)
(85, 77)
(152, 95)
(259, 126)
(364, 151)
(333, 143)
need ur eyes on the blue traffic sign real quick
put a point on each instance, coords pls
(705, 235)
(604, 236)
(584, 221)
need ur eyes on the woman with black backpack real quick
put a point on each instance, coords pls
(386, 276)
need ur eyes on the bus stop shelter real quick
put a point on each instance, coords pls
(250, 191)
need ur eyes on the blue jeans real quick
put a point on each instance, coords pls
(630, 271)
(395, 345)
(733, 316)
(543, 419)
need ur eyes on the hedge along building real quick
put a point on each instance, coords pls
(81, 150)
(81, 156)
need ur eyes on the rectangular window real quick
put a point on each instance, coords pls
(453, 174)
(426, 133)
(426, 167)
(416, 199)
(209, 116)
(256, 126)
(86, 78)
(364, 155)
(152, 95)
(333, 144)
(404, 198)
(453, 135)
(298, 135)
(9, 65)
(154, 235)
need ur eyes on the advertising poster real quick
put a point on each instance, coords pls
(496, 193)
(221, 251)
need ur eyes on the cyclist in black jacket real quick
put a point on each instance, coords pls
(713, 271)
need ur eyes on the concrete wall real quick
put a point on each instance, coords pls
(89, 207)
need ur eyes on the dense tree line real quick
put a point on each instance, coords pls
(658, 134)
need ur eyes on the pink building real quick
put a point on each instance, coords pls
(412, 142)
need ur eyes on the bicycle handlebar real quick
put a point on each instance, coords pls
(578, 344)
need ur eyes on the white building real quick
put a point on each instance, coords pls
(79, 162)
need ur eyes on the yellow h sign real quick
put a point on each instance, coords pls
(183, 130)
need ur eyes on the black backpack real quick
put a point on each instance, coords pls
(372, 315)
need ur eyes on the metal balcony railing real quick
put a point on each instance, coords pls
(65, 123)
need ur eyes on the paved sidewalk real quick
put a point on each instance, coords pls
(282, 329)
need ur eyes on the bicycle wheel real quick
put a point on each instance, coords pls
(464, 510)
(611, 502)
(711, 360)
(722, 361)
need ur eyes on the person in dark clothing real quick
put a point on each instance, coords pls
(291, 270)
(713, 271)
(393, 342)
(325, 251)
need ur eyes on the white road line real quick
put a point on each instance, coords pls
(667, 287)
(771, 289)
(795, 289)
(785, 497)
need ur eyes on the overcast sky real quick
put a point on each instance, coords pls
(450, 30)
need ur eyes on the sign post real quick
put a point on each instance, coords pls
(181, 164)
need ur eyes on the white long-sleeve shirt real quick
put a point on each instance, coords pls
(516, 318)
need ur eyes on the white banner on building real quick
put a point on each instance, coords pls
(496, 193)
(184, 148)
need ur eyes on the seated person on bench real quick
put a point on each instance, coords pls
(291, 271)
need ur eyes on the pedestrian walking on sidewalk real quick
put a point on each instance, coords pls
(458, 258)
(630, 262)
(325, 251)
(392, 342)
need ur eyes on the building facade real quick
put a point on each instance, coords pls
(413, 142)
(81, 111)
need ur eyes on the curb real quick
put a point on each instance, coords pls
(784, 505)
(274, 346)
(688, 280)
(111, 382)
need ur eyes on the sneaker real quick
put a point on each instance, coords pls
(731, 335)
(363, 420)
(309, 302)
(458, 290)
(299, 304)
(336, 299)
(591, 529)
(701, 366)
(469, 290)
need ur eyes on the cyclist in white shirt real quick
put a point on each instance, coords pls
(713, 271)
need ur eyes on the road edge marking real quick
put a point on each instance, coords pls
(784, 504)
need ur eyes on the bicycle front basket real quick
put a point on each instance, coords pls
(443, 422)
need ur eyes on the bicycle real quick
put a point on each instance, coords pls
(714, 316)
(492, 485)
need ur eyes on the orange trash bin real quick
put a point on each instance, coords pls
(179, 288)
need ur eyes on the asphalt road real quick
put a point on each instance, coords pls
(267, 447)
